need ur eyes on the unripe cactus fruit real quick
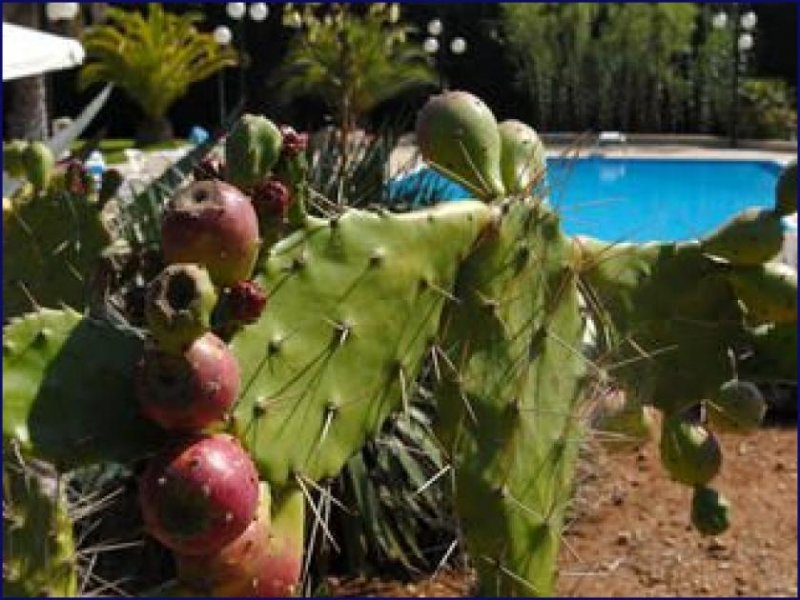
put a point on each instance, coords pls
(457, 135)
(39, 162)
(768, 291)
(213, 224)
(750, 238)
(710, 511)
(738, 408)
(191, 391)
(522, 156)
(623, 423)
(689, 452)
(199, 494)
(786, 191)
(251, 150)
(178, 306)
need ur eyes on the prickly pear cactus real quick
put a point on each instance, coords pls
(51, 246)
(39, 555)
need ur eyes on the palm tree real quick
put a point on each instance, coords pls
(154, 59)
(352, 60)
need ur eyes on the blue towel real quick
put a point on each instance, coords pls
(423, 188)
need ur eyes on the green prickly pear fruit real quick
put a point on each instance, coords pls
(251, 150)
(750, 238)
(199, 494)
(738, 408)
(623, 422)
(768, 291)
(13, 152)
(179, 305)
(39, 162)
(522, 156)
(457, 135)
(215, 225)
(710, 511)
(689, 452)
(786, 191)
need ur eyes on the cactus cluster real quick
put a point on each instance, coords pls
(277, 343)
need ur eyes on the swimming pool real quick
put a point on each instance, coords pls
(640, 199)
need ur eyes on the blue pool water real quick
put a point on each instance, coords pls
(637, 199)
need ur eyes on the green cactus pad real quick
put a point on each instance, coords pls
(251, 150)
(353, 305)
(68, 390)
(769, 291)
(39, 558)
(750, 238)
(51, 246)
(710, 511)
(674, 315)
(739, 407)
(522, 156)
(457, 135)
(786, 191)
(689, 452)
(507, 414)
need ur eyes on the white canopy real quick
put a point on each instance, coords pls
(30, 52)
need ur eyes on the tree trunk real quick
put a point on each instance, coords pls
(25, 112)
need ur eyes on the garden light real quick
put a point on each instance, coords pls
(749, 20)
(458, 45)
(235, 10)
(259, 11)
(61, 11)
(745, 42)
(435, 27)
(430, 45)
(223, 35)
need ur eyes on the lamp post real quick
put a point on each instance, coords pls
(434, 46)
(742, 28)
(223, 37)
(239, 11)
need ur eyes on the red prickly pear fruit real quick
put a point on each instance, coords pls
(271, 199)
(211, 167)
(458, 136)
(246, 301)
(199, 494)
(191, 391)
(178, 306)
(689, 452)
(710, 511)
(77, 180)
(293, 142)
(213, 224)
(264, 562)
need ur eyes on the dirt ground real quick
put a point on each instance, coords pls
(632, 535)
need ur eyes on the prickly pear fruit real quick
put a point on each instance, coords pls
(293, 142)
(786, 191)
(710, 511)
(39, 162)
(768, 291)
(245, 301)
(77, 179)
(622, 422)
(178, 306)
(689, 452)
(213, 224)
(199, 494)
(522, 156)
(251, 150)
(13, 152)
(457, 135)
(738, 408)
(191, 391)
(271, 199)
(264, 562)
(750, 238)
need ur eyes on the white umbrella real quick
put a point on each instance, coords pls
(29, 52)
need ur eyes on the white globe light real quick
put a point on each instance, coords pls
(719, 20)
(259, 11)
(458, 45)
(745, 42)
(223, 35)
(235, 10)
(430, 45)
(61, 11)
(749, 20)
(435, 27)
